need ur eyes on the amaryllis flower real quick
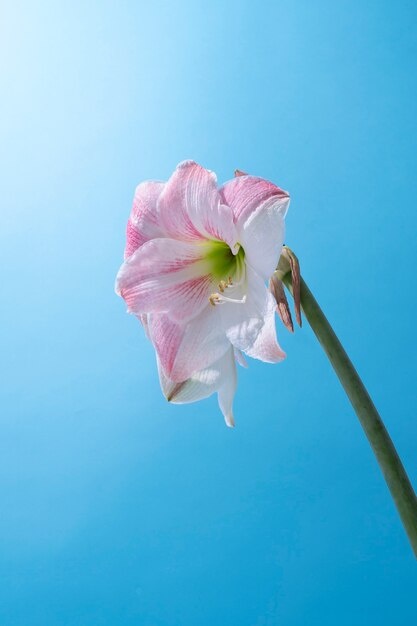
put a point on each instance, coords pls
(197, 260)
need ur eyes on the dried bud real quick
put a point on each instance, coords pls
(276, 287)
(288, 262)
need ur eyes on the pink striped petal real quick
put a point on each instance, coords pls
(250, 327)
(259, 209)
(143, 221)
(244, 194)
(166, 275)
(190, 208)
(186, 348)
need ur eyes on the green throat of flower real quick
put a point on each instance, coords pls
(223, 263)
(229, 270)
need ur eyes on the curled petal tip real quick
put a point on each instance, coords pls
(240, 358)
(186, 163)
(240, 173)
(173, 393)
(230, 420)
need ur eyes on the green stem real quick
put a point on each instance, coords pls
(381, 443)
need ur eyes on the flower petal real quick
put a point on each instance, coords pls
(250, 327)
(220, 376)
(244, 194)
(143, 318)
(166, 275)
(240, 358)
(143, 221)
(190, 209)
(266, 347)
(200, 385)
(227, 391)
(186, 348)
(259, 209)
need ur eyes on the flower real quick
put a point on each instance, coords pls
(197, 259)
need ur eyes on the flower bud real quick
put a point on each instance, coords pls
(288, 263)
(276, 287)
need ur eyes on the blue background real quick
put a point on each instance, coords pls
(116, 507)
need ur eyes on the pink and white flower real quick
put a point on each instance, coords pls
(197, 260)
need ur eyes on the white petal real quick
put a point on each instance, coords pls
(250, 327)
(199, 386)
(259, 209)
(240, 358)
(220, 376)
(227, 391)
(266, 347)
(262, 236)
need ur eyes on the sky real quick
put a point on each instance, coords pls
(118, 508)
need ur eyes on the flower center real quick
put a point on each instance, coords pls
(222, 262)
(229, 270)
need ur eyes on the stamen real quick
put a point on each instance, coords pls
(214, 299)
(217, 298)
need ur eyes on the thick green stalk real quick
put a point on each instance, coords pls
(381, 443)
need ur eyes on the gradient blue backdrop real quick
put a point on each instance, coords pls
(117, 508)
